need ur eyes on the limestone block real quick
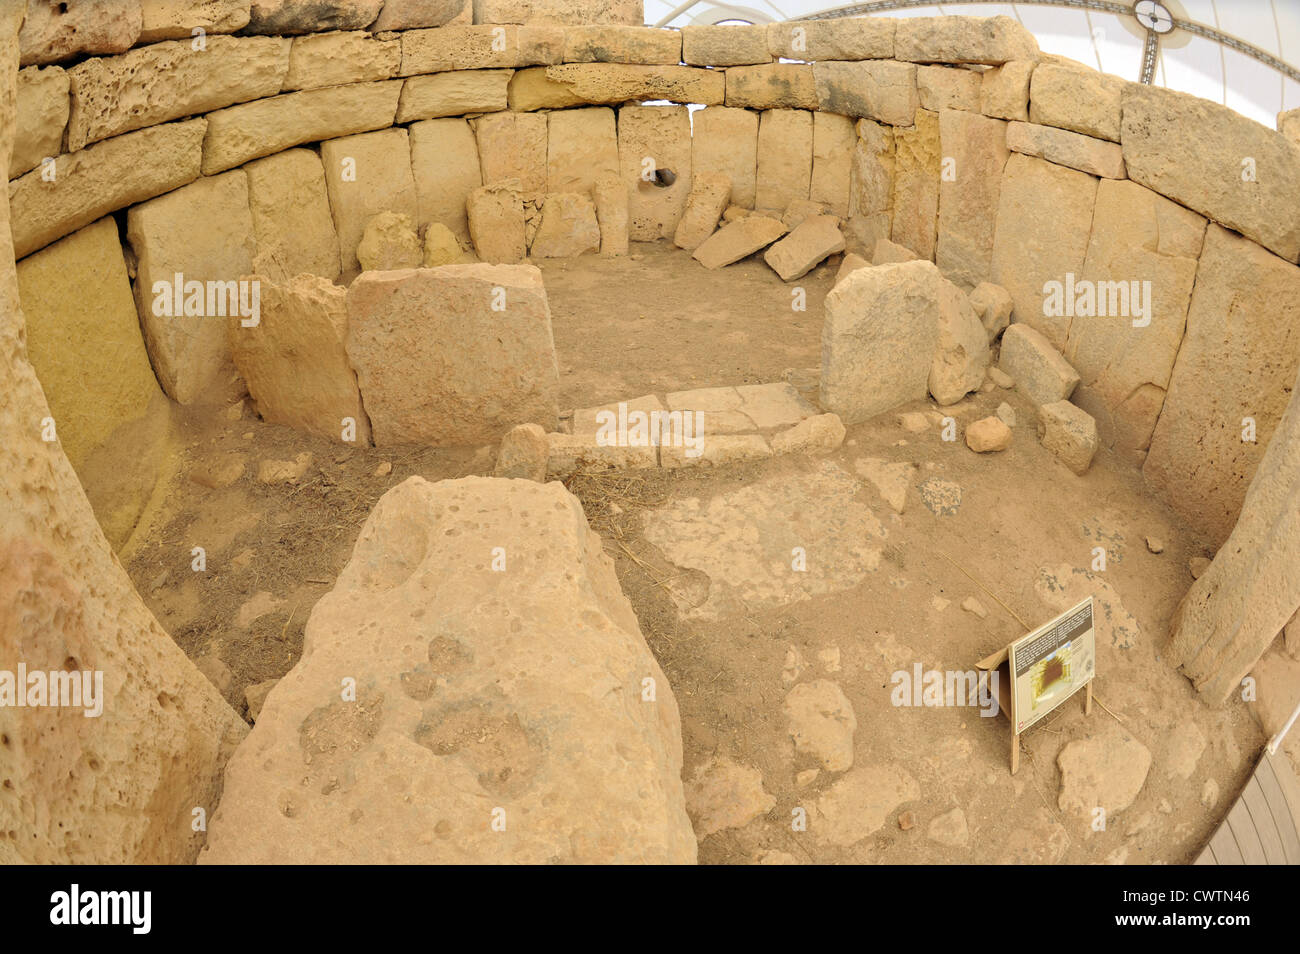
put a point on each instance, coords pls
(103, 178)
(890, 253)
(800, 209)
(710, 196)
(851, 38)
(948, 87)
(819, 434)
(968, 202)
(293, 360)
(568, 227)
(292, 17)
(1240, 352)
(652, 138)
(738, 239)
(252, 130)
(512, 146)
(834, 140)
(962, 39)
(785, 144)
(335, 59)
(612, 83)
(725, 141)
(438, 365)
(918, 163)
(1036, 366)
(610, 197)
(532, 89)
(1076, 98)
(168, 80)
(871, 186)
(56, 30)
(581, 146)
(808, 245)
(479, 48)
(992, 304)
(962, 350)
(175, 19)
(569, 453)
(389, 241)
(1094, 156)
(715, 450)
(883, 90)
(441, 247)
(413, 14)
(291, 216)
(625, 12)
(614, 43)
(445, 164)
(1069, 433)
(725, 45)
(772, 86)
(1004, 90)
(496, 222)
(1288, 123)
(42, 117)
(453, 94)
(380, 181)
(522, 453)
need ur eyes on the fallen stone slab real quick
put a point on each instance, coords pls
(570, 453)
(710, 194)
(850, 263)
(809, 244)
(1095, 156)
(1069, 433)
(737, 240)
(549, 772)
(1038, 369)
(1106, 769)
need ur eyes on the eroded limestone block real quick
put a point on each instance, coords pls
(1035, 365)
(710, 195)
(772, 86)
(725, 140)
(335, 59)
(738, 239)
(612, 83)
(479, 48)
(496, 222)
(883, 90)
(56, 30)
(962, 350)
(1076, 98)
(581, 146)
(725, 45)
(1068, 432)
(850, 38)
(652, 138)
(962, 39)
(610, 197)
(175, 19)
(809, 244)
(445, 164)
(834, 139)
(1095, 156)
(568, 227)
(785, 144)
(365, 175)
(453, 94)
(948, 87)
(968, 201)
(615, 43)
(413, 14)
(292, 17)
(512, 146)
(42, 117)
(291, 216)
(389, 241)
(918, 163)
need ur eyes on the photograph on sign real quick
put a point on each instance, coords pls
(1051, 663)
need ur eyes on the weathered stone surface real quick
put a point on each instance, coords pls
(291, 216)
(175, 19)
(822, 723)
(1069, 433)
(725, 794)
(1095, 156)
(53, 31)
(438, 365)
(772, 86)
(568, 226)
(1027, 256)
(749, 407)
(292, 17)
(968, 202)
(83, 337)
(871, 186)
(819, 434)
(800, 209)
(710, 195)
(737, 240)
(610, 196)
(1124, 348)
(522, 453)
(834, 140)
(381, 181)
(614, 43)
(582, 777)
(496, 223)
(103, 178)
(189, 352)
(918, 161)
(860, 803)
(992, 304)
(988, 434)
(1214, 160)
(725, 45)
(480, 47)
(413, 14)
(570, 453)
(961, 39)
(654, 138)
(389, 241)
(581, 146)
(532, 89)
(453, 94)
(810, 243)
(1078, 99)
(252, 130)
(444, 162)
(850, 263)
(293, 360)
(785, 142)
(1105, 769)
(854, 38)
(441, 247)
(948, 87)
(1288, 124)
(883, 90)
(886, 252)
(612, 83)
(627, 12)
(879, 339)
(725, 141)
(1038, 369)
(42, 117)
(512, 146)
(1004, 90)
(962, 352)
(335, 59)
(715, 450)
(1238, 356)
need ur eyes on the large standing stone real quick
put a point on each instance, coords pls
(365, 175)
(652, 138)
(475, 701)
(883, 90)
(568, 226)
(1076, 98)
(262, 128)
(512, 146)
(291, 216)
(1239, 354)
(725, 140)
(1142, 252)
(962, 39)
(154, 84)
(1026, 255)
(55, 30)
(189, 351)
(785, 143)
(444, 162)
(581, 146)
(453, 94)
(834, 140)
(772, 86)
(293, 360)
(452, 356)
(42, 117)
(871, 186)
(962, 353)
(335, 59)
(968, 201)
(496, 223)
(1216, 161)
(710, 195)
(879, 339)
(917, 165)
(101, 179)
(610, 197)
(1068, 432)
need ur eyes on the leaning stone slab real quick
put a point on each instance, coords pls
(381, 182)
(1078, 99)
(772, 86)
(725, 45)
(1094, 156)
(614, 43)
(336, 59)
(103, 178)
(710, 195)
(1068, 432)
(1214, 160)
(962, 352)
(293, 359)
(42, 117)
(1037, 368)
(453, 94)
(612, 83)
(263, 128)
(580, 776)
(165, 81)
(480, 47)
(850, 38)
(737, 240)
(291, 216)
(452, 356)
(961, 39)
(809, 244)
(883, 90)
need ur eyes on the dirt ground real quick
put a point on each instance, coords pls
(623, 330)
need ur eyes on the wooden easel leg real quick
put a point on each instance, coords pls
(1087, 700)
(1015, 752)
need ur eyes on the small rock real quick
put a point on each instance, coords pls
(217, 671)
(1006, 414)
(988, 434)
(218, 473)
(913, 421)
(819, 434)
(1001, 378)
(724, 794)
(523, 453)
(1197, 565)
(806, 777)
(1038, 368)
(822, 723)
(851, 263)
(388, 242)
(1209, 793)
(235, 412)
(992, 303)
(1068, 432)
(907, 820)
(440, 246)
(283, 471)
(891, 479)
(974, 606)
(950, 829)
(384, 469)
(255, 697)
(829, 658)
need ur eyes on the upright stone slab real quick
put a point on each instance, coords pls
(188, 350)
(917, 165)
(366, 175)
(1027, 254)
(452, 356)
(871, 187)
(610, 197)
(834, 140)
(517, 693)
(725, 140)
(291, 216)
(581, 146)
(1239, 354)
(652, 138)
(496, 223)
(968, 200)
(512, 146)
(42, 117)
(444, 162)
(785, 144)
